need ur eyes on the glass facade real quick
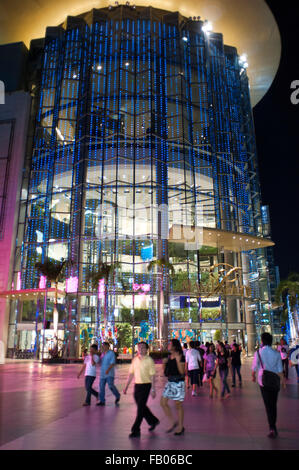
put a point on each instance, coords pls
(142, 121)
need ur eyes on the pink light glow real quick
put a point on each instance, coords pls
(146, 287)
(142, 287)
(19, 281)
(71, 285)
(101, 289)
(42, 282)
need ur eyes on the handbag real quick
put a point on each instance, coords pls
(205, 378)
(270, 379)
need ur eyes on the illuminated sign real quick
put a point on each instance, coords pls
(42, 282)
(101, 289)
(71, 285)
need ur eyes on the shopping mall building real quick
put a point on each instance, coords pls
(127, 137)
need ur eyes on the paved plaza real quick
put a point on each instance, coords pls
(41, 408)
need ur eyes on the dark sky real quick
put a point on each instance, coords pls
(277, 133)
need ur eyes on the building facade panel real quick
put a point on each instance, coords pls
(142, 123)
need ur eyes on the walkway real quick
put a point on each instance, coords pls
(41, 408)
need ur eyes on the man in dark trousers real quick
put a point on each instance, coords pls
(143, 370)
(271, 361)
(236, 364)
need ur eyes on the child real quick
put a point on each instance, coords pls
(89, 366)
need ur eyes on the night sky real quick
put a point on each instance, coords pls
(277, 133)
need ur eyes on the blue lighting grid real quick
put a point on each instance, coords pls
(242, 181)
(208, 103)
(42, 163)
(199, 110)
(75, 80)
(223, 144)
(250, 143)
(190, 154)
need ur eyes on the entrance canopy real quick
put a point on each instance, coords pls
(195, 237)
(30, 294)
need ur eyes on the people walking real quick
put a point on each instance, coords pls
(236, 364)
(142, 369)
(283, 349)
(89, 367)
(267, 359)
(210, 368)
(201, 352)
(187, 374)
(222, 364)
(193, 363)
(294, 358)
(107, 374)
(174, 370)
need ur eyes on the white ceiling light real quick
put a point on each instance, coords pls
(207, 27)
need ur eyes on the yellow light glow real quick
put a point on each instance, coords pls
(247, 25)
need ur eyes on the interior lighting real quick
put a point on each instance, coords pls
(243, 61)
(184, 38)
(60, 136)
(207, 27)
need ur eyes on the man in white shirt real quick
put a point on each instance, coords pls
(283, 349)
(272, 362)
(89, 366)
(193, 361)
(142, 368)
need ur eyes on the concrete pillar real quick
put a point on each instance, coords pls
(14, 115)
(231, 302)
(249, 315)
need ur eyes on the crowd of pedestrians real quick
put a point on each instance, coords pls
(190, 366)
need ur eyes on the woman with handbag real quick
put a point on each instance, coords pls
(267, 363)
(174, 369)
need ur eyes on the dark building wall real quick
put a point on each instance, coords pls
(13, 64)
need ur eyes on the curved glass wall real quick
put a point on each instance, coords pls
(143, 122)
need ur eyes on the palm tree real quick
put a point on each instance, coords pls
(162, 264)
(286, 296)
(103, 271)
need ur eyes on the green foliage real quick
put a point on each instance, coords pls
(177, 250)
(103, 271)
(161, 263)
(53, 270)
(140, 314)
(182, 314)
(290, 287)
(218, 335)
(210, 313)
(124, 335)
(182, 283)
